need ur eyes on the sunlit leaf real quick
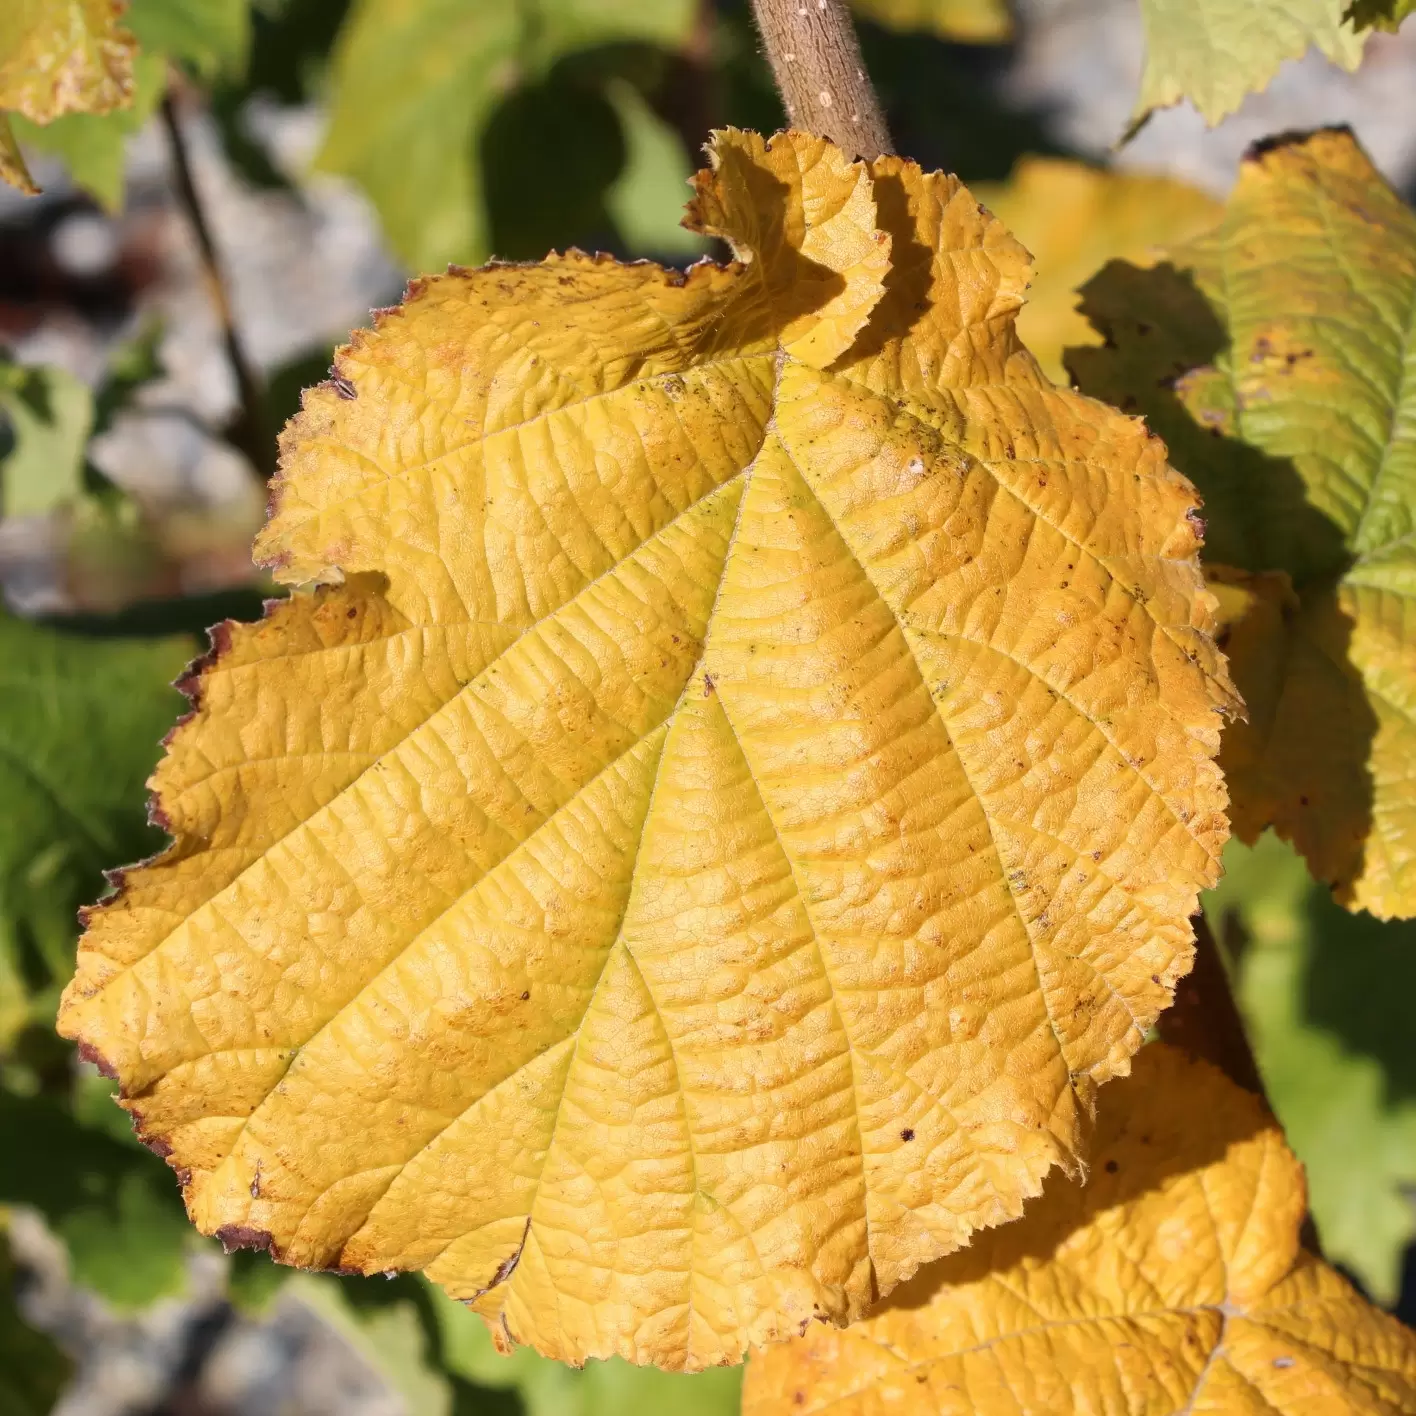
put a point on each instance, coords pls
(1173, 1281)
(743, 790)
(1073, 219)
(92, 146)
(1214, 52)
(33, 1371)
(415, 81)
(64, 56)
(967, 21)
(1276, 364)
(1326, 995)
(80, 722)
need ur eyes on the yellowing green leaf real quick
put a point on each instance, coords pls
(1214, 52)
(1073, 219)
(209, 37)
(414, 82)
(743, 790)
(1172, 1281)
(1326, 997)
(967, 21)
(1277, 370)
(92, 145)
(64, 56)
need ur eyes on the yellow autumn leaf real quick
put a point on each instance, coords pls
(1274, 357)
(750, 713)
(962, 21)
(1171, 1282)
(1073, 219)
(12, 161)
(64, 56)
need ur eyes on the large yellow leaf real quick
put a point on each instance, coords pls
(1301, 434)
(758, 717)
(1216, 52)
(64, 56)
(1172, 1282)
(1073, 219)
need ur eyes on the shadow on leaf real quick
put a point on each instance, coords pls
(1276, 560)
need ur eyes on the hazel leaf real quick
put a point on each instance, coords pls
(1274, 357)
(749, 715)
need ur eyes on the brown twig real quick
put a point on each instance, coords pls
(1205, 1019)
(816, 61)
(248, 429)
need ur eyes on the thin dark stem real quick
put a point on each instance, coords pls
(816, 61)
(247, 430)
(1205, 1019)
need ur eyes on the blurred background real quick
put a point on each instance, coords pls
(286, 166)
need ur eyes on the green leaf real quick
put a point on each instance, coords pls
(209, 38)
(92, 145)
(647, 199)
(33, 1371)
(49, 414)
(600, 1388)
(1214, 52)
(80, 723)
(1327, 999)
(115, 1206)
(1275, 358)
(415, 81)
(212, 38)
(1379, 14)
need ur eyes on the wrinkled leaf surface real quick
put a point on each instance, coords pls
(1173, 1281)
(756, 713)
